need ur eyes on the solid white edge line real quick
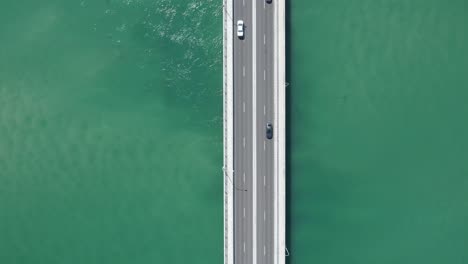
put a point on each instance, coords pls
(275, 145)
(254, 136)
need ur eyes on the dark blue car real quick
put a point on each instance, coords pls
(269, 131)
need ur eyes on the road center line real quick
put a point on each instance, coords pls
(244, 212)
(264, 180)
(264, 110)
(254, 134)
(243, 71)
(243, 139)
(264, 145)
(264, 39)
(243, 106)
(264, 74)
(244, 177)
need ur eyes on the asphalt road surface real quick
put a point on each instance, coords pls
(253, 152)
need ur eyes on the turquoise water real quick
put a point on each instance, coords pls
(378, 131)
(110, 132)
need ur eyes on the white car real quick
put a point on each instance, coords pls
(240, 29)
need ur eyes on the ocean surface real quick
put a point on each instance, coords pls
(111, 131)
(378, 161)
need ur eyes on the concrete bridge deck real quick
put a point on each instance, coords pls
(254, 166)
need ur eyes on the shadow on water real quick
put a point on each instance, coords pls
(289, 129)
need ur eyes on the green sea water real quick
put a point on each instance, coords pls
(378, 165)
(111, 131)
(111, 139)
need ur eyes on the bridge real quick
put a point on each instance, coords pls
(254, 162)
